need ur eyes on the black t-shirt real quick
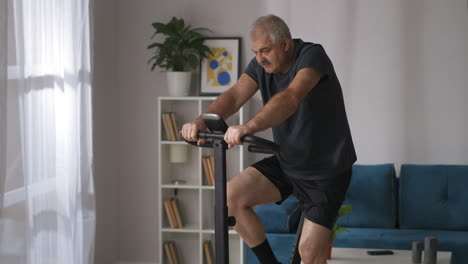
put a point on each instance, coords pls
(315, 141)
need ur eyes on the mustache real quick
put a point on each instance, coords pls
(265, 62)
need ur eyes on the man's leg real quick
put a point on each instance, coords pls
(314, 240)
(321, 201)
(246, 190)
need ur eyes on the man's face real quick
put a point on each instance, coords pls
(272, 57)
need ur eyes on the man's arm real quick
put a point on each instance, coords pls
(225, 105)
(231, 101)
(279, 108)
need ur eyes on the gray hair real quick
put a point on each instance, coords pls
(270, 25)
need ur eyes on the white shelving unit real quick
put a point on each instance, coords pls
(196, 198)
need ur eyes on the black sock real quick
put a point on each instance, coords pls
(264, 253)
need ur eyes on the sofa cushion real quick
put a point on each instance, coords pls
(434, 197)
(372, 195)
(280, 218)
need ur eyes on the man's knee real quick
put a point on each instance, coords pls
(235, 199)
(313, 243)
(312, 254)
(236, 195)
(250, 188)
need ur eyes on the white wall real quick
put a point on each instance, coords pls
(403, 66)
(106, 131)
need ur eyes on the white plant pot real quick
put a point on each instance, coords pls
(178, 83)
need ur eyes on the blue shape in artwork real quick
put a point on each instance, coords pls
(224, 78)
(225, 53)
(214, 64)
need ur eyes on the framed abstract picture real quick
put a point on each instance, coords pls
(220, 70)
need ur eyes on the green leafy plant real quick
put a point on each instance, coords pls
(344, 209)
(181, 50)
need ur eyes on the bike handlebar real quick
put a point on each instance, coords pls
(258, 144)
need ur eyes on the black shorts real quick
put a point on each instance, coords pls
(320, 200)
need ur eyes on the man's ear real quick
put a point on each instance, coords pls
(287, 45)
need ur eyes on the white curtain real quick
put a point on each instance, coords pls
(3, 85)
(48, 205)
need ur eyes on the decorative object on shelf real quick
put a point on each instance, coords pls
(344, 209)
(177, 182)
(220, 69)
(178, 153)
(179, 53)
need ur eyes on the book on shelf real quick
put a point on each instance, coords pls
(167, 250)
(166, 126)
(207, 252)
(174, 126)
(170, 126)
(212, 167)
(171, 252)
(170, 213)
(207, 171)
(172, 246)
(174, 213)
(178, 212)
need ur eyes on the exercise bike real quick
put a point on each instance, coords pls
(215, 139)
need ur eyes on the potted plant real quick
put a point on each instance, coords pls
(179, 53)
(344, 209)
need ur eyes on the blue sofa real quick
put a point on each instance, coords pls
(388, 212)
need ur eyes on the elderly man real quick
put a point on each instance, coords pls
(303, 104)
